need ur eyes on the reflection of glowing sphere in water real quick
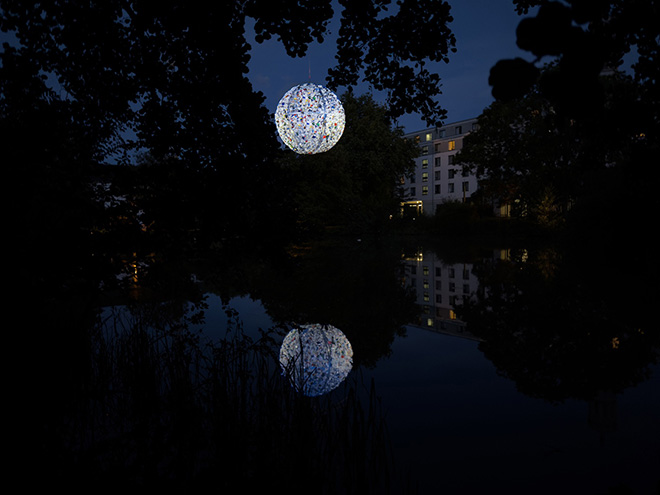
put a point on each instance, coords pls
(316, 358)
(310, 119)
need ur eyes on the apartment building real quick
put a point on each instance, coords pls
(437, 179)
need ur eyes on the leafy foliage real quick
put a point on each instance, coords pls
(526, 152)
(174, 75)
(393, 58)
(584, 37)
(565, 124)
(355, 184)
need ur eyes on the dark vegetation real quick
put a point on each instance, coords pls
(129, 154)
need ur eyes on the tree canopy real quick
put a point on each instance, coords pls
(171, 77)
(583, 37)
(568, 125)
(354, 184)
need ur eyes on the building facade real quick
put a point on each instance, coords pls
(437, 179)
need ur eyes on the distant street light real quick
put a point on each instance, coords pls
(316, 358)
(310, 119)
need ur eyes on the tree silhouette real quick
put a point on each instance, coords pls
(355, 184)
(584, 37)
(176, 75)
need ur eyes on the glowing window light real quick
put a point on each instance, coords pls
(316, 358)
(310, 119)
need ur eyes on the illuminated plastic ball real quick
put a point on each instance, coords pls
(316, 358)
(310, 119)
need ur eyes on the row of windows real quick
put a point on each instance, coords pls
(451, 271)
(428, 135)
(451, 188)
(438, 161)
(438, 286)
(439, 147)
(426, 296)
(437, 175)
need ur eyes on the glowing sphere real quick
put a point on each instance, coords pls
(316, 358)
(310, 119)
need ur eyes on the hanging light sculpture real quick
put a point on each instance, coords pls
(316, 358)
(310, 119)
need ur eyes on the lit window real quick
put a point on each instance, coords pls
(429, 136)
(425, 190)
(425, 176)
(425, 270)
(417, 139)
(426, 297)
(452, 145)
(425, 150)
(425, 284)
(425, 163)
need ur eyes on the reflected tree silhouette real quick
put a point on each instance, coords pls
(146, 399)
(555, 324)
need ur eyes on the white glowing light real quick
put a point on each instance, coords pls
(310, 119)
(316, 358)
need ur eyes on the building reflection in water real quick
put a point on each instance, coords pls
(439, 287)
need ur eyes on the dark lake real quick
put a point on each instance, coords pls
(471, 370)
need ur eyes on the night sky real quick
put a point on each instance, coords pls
(485, 33)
